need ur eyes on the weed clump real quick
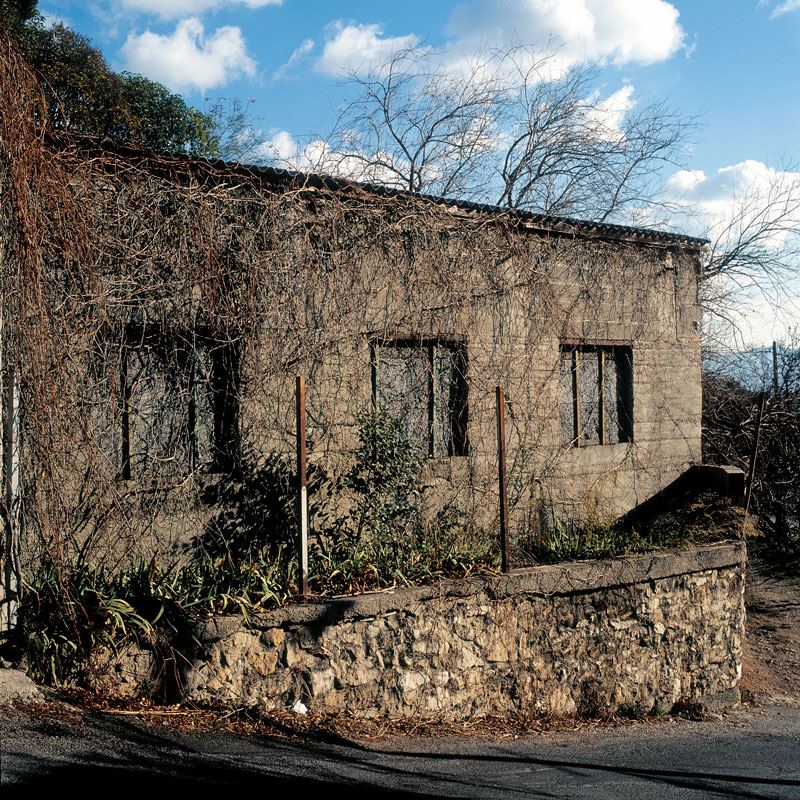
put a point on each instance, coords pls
(706, 519)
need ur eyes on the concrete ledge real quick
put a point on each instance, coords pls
(579, 638)
(728, 698)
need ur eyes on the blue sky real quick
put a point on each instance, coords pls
(734, 63)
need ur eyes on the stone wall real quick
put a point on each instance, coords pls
(584, 637)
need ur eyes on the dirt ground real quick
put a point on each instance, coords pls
(771, 663)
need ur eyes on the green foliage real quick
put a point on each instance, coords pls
(632, 711)
(86, 96)
(225, 586)
(385, 477)
(446, 547)
(83, 94)
(571, 540)
(161, 121)
(15, 13)
(69, 614)
(384, 540)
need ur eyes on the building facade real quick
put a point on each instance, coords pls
(157, 313)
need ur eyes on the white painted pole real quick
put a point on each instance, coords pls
(302, 491)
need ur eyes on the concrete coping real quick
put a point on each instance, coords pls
(556, 579)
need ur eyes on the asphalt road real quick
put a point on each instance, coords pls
(749, 754)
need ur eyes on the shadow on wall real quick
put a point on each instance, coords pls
(256, 511)
(727, 482)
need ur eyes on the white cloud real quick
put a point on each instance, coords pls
(283, 150)
(751, 214)
(574, 31)
(757, 320)
(608, 114)
(171, 9)
(306, 46)
(618, 31)
(744, 195)
(786, 8)
(359, 48)
(188, 59)
(281, 147)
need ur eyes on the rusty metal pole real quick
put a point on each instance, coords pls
(501, 450)
(302, 491)
(754, 453)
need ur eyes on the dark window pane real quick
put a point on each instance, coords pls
(445, 392)
(589, 393)
(423, 384)
(566, 402)
(611, 398)
(177, 414)
(604, 384)
(624, 367)
(157, 414)
(403, 390)
(459, 407)
(202, 408)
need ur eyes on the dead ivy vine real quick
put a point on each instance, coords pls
(276, 275)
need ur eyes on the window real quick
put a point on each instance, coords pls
(177, 405)
(423, 383)
(596, 391)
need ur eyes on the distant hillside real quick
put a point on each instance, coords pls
(753, 369)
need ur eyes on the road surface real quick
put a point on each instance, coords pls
(751, 753)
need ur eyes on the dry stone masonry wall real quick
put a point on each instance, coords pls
(576, 638)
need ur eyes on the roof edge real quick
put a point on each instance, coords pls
(544, 223)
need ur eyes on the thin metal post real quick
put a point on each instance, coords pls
(194, 412)
(432, 400)
(775, 368)
(302, 492)
(754, 453)
(501, 449)
(125, 396)
(10, 590)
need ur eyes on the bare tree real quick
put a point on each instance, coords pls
(731, 394)
(419, 129)
(238, 133)
(518, 130)
(506, 127)
(571, 152)
(755, 247)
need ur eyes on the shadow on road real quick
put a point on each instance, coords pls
(118, 755)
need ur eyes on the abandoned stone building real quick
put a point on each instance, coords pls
(157, 312)
(158, 309)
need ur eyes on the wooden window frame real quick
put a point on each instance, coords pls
(458, 444)
(622, 353)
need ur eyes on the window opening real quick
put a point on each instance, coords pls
(178, 415)
(422, 382)
(596, 391)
